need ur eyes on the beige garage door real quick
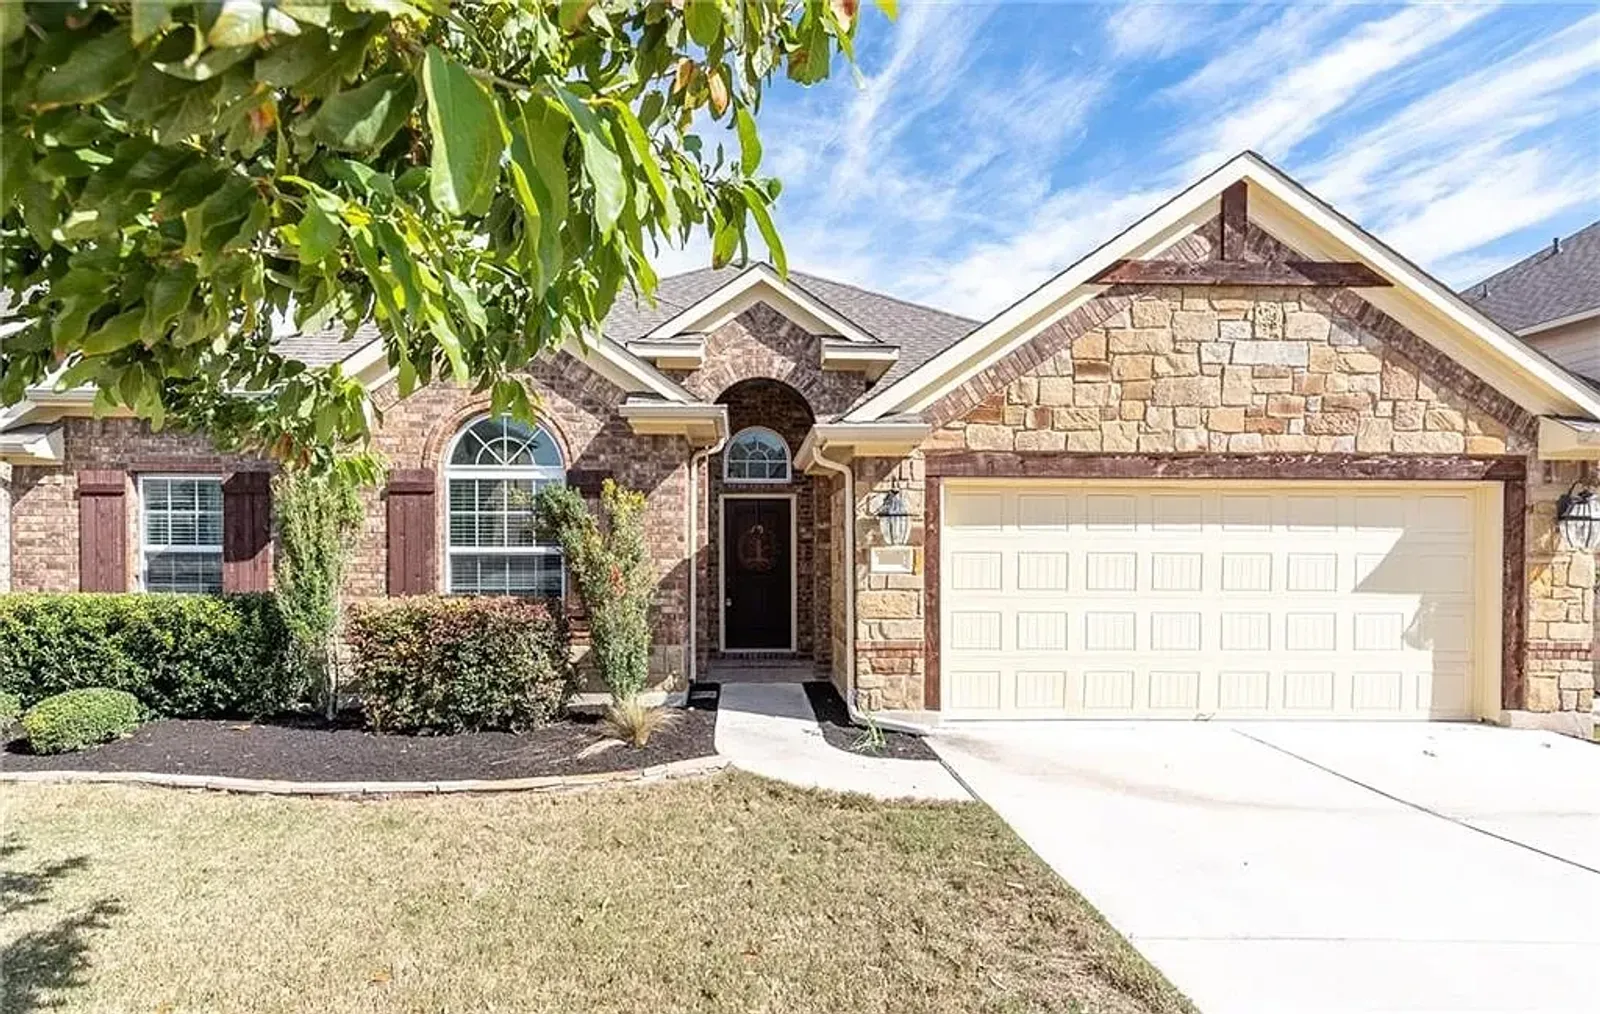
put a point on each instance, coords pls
(1234, 600)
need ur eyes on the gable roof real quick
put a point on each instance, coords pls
(1559, 282)
(918, 331)
(1296, 217)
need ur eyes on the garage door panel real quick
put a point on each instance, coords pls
(1067, 599)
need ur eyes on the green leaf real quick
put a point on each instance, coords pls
(119, 332)
(292, 61)
(446, 336)
(644, 156)
(39, 211)
(94, 70)
(468, 137)
(724, 243)
(310, 12)
(13, 22)
(757, 202)
(207, 65)
(468, 301)
(889, 7)
(704, 19)
(150, 17)
(238, 23)
(16, 161)
(572, 11)
(600, 162)
(319, 232)
(749, 141)
(168, 296)
(364, 118)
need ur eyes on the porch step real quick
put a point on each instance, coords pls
(761, 669)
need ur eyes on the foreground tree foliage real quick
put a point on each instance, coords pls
(477, 180)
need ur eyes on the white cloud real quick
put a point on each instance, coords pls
(1294, 106)
(1154, 30)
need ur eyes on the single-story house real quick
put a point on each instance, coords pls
(1243, 460)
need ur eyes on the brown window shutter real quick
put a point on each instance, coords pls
(247, 532)
(102, 531)
(412, 531)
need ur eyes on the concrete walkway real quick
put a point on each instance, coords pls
(770, 730)
(1319, 868)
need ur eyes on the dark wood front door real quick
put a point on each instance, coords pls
(757, 578)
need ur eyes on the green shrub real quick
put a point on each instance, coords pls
(10, 708)
(434, 664)
(182, 656)
(80, 718)
(614, 573)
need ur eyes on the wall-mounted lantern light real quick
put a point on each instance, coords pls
(1578, 517)
(894, 520)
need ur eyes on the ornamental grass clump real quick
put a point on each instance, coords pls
(79, 718)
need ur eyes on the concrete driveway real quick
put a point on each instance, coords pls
(1293, 868)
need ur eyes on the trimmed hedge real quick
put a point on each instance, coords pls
(441, 665)
(182, 656)
(80, 718)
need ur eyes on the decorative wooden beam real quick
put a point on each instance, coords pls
(1304, 274)
(1235, 221)
(1227, 265)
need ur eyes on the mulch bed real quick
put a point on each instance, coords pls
(842, 734)
(306, 750)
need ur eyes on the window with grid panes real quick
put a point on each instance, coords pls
(494, 469)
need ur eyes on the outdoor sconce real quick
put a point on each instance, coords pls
(1578, 518)
(894, 520)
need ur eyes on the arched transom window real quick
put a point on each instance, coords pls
(756, 454)
(493, 471)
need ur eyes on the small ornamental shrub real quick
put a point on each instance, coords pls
(182, 656)
(80, 718)
(442, 665)
(10, 708)
(614, 573)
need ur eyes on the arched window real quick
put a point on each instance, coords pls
(756, 454)
(494, 468)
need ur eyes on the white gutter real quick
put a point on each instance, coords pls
(691, 669)
(849, 474)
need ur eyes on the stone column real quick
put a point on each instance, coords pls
(1558, 666)
(890, 655)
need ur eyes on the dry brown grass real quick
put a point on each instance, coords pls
(723, 895)
(634, 723)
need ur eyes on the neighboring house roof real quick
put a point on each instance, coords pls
(328, 346)
(1296, 217)
(1559, 282)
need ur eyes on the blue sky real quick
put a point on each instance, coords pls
(985, 146)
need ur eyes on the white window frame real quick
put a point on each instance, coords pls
(144, 521)
(533, 473)
(788, 458)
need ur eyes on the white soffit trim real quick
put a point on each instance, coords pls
(604, 356)
(1569, 439)
(678, 354)
(1551, 325)
(1288, 211)
(35, 444)
(704, 424)
(759, 284)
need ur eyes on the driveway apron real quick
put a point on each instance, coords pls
(1318, 868)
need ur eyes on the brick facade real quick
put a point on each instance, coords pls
(766, 369)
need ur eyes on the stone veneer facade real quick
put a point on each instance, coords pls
(1290, 373)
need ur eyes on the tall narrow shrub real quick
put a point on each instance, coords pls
(615, 576)
(318, 514)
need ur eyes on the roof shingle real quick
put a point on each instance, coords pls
(1559, 281)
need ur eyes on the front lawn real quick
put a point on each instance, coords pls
(723, 895)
